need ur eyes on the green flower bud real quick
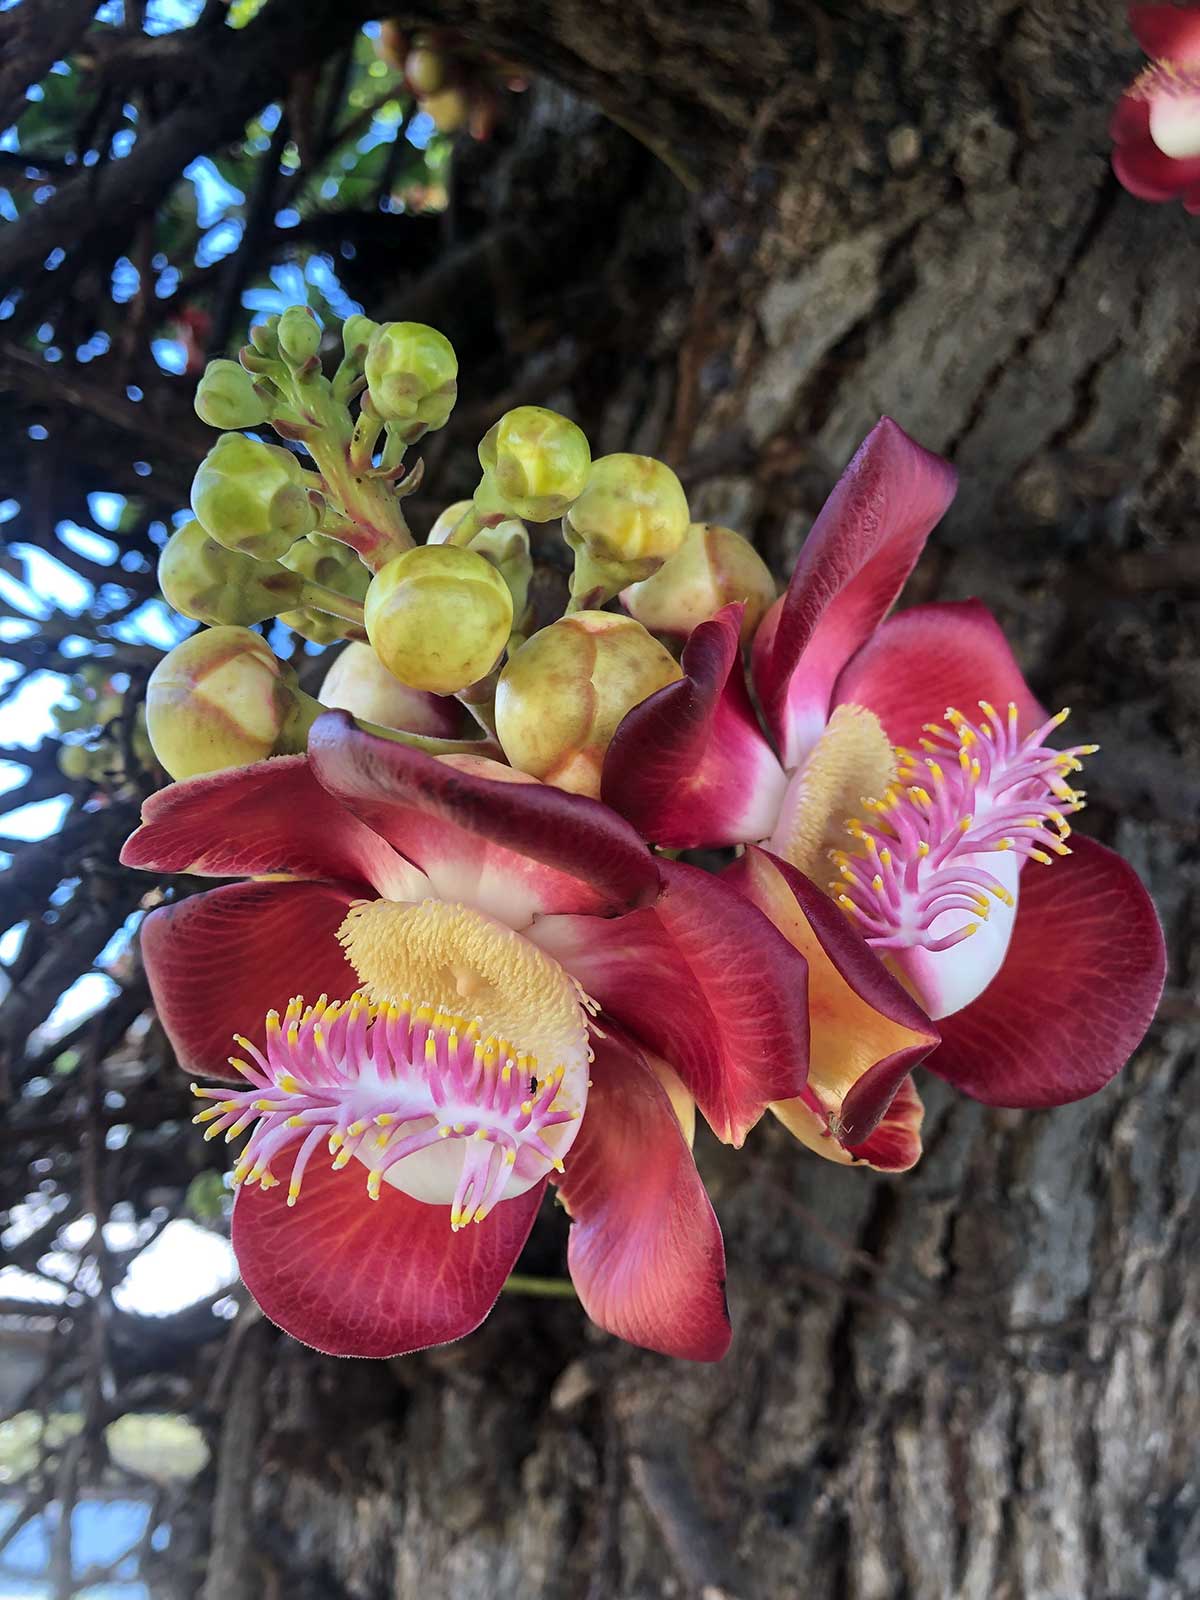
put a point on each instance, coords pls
(329, 562)
(712, 567)
(222, 699)
(412, 374)
(425, 70)
(206, 581)
(252, 497)
(448, 521)
(537, 462)
(299, 335)
(359, 682)
(357, 333)
(563, 693)
(226, 397)
(633, 509)
(438, 617)
(74, 761)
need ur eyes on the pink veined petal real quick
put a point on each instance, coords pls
(690, 766)
(645, 1249)
(919, 662)
(510, 849)
(352, 1276)
(855, 560)
(272, 817)
(1076, 994)
(1168, 33)
(219, 961)
(708, 983)
(1142, 168)
(895, 1143)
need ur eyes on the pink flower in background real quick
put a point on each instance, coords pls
(1156, 126)
(455, 927)
(889, 763)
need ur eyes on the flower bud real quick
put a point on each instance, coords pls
(252, 497)
(563, 693)
(209, 583)
(438, 617)
(226, 397)
(299, 335)
(329, 562)
(712, 567)
(632, 509)
(449, 109)
(425, 70)
(357, 333)
(358, 682)
(448, 521)
(412, 374)
(222, 699)
(536, 461)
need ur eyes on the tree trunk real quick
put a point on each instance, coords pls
(978, 1379)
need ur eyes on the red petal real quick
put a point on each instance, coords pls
(645, 1249)
(271, 817)
(689, 766)
(218, 962)
(358, 1277)
(710, 986)
(1168, 33)
(866, 1032)
(1130, 119)
(862, 547)
(1142, 168)
(895, 1145)
(952, 653)
(510, 849)
(1075, 995)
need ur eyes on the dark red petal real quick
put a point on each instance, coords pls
(353, 1276)
(855, 560)
(271, 817)
(690, 766)
(708, 983)
(1130, 119)
(1075, 995)
(951, 653)
(895, 1145)
(866, 1033)
(510, 849)
(1142, 168)
(645, 1249)
(218, 962)
(1168, 33)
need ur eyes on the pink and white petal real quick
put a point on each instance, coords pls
(854, 563)
(645, 1249)
(219, 961)
(919, 662)
(1168, 33)
(866, 1032)
(352, 1276)
(893, 1146)
(689, 766)
(272, 817)
(509, 849)
(1147, 173)
(1074, 998)
(707, 983)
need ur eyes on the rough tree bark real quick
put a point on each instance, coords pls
(977, 1380)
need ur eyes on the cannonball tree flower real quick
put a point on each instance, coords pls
(1156, 125)
(417, 1053)
(945, 817)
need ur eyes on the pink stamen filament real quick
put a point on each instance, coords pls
(978, 787)
(381, 1083)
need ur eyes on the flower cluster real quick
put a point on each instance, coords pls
(1156, 125)
(465, 969)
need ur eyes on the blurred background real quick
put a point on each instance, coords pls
(730, 236)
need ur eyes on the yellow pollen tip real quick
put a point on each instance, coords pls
(288, 1084)
(964, 823)
(922, 847)
(293, 1193)
(374, 1184)
(356, 1128)
(444, 1133)
(480, 1214)
(510, 1158)
(384, 1119)
(335, 1141)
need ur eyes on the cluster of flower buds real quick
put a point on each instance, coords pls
(105, 735)
(452, 80)
(312, 530)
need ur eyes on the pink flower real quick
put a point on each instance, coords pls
(1156, 126)
(888, 755)
(468, 923)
